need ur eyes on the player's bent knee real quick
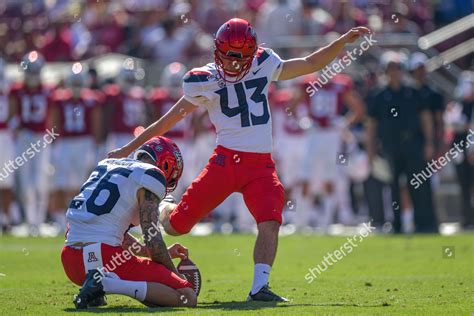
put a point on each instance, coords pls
(187, 297)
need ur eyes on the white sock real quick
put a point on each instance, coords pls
(329, 207)
(407, 221)
(134, 289)
(261, 273)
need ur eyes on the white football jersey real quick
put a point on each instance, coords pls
(107, 204)
(239, 111)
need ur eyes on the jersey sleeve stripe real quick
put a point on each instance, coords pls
(153, 185)
(264, 54)
(157, 175)
(193, 77)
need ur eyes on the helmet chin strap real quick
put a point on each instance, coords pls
(224, 75)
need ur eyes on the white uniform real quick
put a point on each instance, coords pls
(246, 127)
(6, 139)
(107, 204)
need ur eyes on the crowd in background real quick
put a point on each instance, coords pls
(181, 30)
(341, 158)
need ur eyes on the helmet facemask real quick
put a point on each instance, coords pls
(241, 64)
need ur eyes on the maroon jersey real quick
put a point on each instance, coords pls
(76, 113)
(128, 110)
(327, 103)
(32, 103)
(286, 117)
(4, 110)
(161, 101)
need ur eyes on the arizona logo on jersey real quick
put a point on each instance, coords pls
(92, 257)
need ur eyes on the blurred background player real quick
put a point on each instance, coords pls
(6, 153)
(76, 114)
(289, 115)
(404, 126)
(125, 106)
(463, 124)
(161, 99)
(435, 102)
(29, 100)
(333, 108)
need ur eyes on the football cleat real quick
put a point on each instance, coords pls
(266, 295)
(98, 302)
(91, 290)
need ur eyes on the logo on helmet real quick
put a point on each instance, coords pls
(179, 158)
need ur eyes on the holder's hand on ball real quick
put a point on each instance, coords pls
(178, 251)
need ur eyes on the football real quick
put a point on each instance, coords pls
(187, 268)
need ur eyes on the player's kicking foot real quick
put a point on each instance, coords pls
(266, 295)
(91, 291)
(98, 302)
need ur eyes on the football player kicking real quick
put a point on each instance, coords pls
(234, 91)
(102, 256)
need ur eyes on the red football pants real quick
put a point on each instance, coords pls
(228, 171)
(130, 268)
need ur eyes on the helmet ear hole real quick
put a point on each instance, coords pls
(166, 166)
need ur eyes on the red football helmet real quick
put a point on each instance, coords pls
(236, 45)
(167, 157)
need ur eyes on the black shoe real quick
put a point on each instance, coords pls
(91, 291)
(98, 302)
(266, 295)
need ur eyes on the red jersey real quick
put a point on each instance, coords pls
(287, 117)
(327, 104)
(76, 114)
(128, 109)
(161, 101)
(4, 110)
(32, 103)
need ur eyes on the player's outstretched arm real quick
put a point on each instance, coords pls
(296, 67)
(155, 245)
(164, 124)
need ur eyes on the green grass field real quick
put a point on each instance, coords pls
(384, 275)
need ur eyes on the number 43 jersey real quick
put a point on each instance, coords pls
(239, 111)
(107, 203)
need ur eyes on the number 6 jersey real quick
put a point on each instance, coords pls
(239, 111)
(107, 203)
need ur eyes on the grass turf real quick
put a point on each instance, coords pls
(384, 275)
